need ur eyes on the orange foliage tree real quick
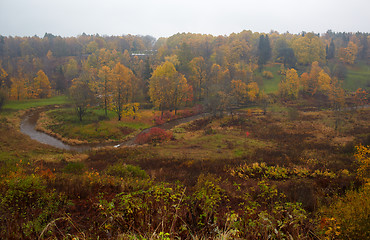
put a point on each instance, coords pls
(348, 55)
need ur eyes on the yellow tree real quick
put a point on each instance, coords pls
(253, 91)
(18, 88)
(198, 76)
(103, 86)
(173, 59)
(81, 94)
(309, 49)
(41, 85)
(131, 110)
(3, 90)
(324, 82)
(217, 86)
(362, 156)
(289, 86)
(168, 88)
(3, 75)
(122, 88)
(216, 80)
(70, 71)
(309, 81)
(239, 90)
(335, 93)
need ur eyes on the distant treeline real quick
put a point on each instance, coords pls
(200, 58)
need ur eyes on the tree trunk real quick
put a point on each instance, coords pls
(105, 107)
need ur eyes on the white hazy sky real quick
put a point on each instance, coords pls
(163, 18)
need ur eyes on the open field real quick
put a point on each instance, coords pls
(30, 103)
(358, 76)
(270, 85)
(95, 127)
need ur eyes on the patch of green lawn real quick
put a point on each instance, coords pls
(31, 103)
(358, 76)
(94, 127)
(270, 85)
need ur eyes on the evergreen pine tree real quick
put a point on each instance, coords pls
(264, 50)
(330, 53)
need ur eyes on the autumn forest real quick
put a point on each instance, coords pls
(242, 136)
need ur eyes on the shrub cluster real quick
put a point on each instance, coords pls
(267, 75)
(169, 116)
(26, 206)
(155, 135)
(261, 170)
(179, 213)
(126, 170)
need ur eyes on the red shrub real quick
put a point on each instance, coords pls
(168, 116)
(158, 120)
(155, 135)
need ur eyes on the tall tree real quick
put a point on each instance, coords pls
(286, 56)
(198, 76)
(3, 75)
(41, 84)
(103, 86)
(168, 89)
(122, 88)
(239, 91)
(330, 52)
(18, 89)
(289, 86)
(70, 71)
(309, 81)
(264, 50)
(309, 48)
(81, 94)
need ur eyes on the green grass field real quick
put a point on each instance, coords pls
(95, 126)
(270, 85)
(31, 103)
(358, 76)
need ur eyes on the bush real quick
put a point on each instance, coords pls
(166, 117)
(348, 217)
(208, 196)
(267, 75)
(144, 210)
(26, 207)
(126, 170)
(74, 167)
(155, 135)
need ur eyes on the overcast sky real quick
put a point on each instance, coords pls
(163, 18)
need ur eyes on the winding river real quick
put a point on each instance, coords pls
(28, 127)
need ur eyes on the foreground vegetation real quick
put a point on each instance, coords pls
(277, 149)
(286, 174)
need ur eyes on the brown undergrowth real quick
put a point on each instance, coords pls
(247, 177)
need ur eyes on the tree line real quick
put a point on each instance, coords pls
(118, 72)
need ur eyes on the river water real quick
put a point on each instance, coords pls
(28, 127)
